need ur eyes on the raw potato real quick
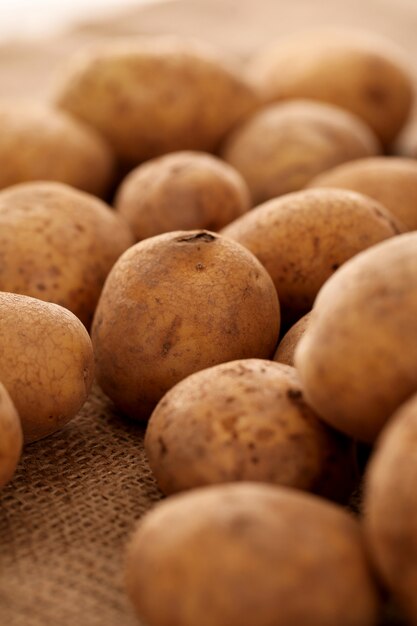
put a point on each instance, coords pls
(182, 191)
(38, 142)
(175, 304)
(155, 97)
(245, 420)
(46, 363)
(303, 238)
(240, 555)
(283, 146)
(392, 181)
(363, 74)
(58, 244)
(286, 347)
(11, 437)
(358, 359)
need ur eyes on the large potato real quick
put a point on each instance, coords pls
(154, 97)
(11, 437)
(181, 191)
(358, 359)
(246, 555)
(175, 304)
(363, 74)
(58, 244)
(46, 362)
(283, 146)
(286, 348)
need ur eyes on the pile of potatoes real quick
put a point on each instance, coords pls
(231, 255)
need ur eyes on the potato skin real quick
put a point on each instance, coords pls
(11, 437)
(243, 553)
(38, 142)
(58, 244)
(358, 359)
(173, 305)
(46, 363)
(283, 146)
(286, 348)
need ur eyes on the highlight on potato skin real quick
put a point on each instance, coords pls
(11, 437)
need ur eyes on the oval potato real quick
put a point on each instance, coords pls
(286, 348)
(11, 437)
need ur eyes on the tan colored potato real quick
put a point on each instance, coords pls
(11, 437)
(38, 142)
(361, 73)
(154, 97)
(175, 304)
(303, 238)
(245, 420)
(46, 363)
(283, 146)
(246, 554)
(58, 244)
(286, 347)
(358, 359)
(181, 191)
(392, 181)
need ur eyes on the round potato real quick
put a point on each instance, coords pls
(245, 420)
(38, 142)
(358, 359)
(181, 191)
(11, 437)
(286, 347)
(392, 181)
(303, 238)
(249, 554)
(283, 146)
(154, 97)
(58, 244)
(175, 304)
(361, 73)
(46, 363)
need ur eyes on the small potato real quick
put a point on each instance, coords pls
(58, 244)
(282, 147)
(358, 359)
(303, 238)
(245, 420)
(38, 142)
(181, 191)
(392, 181)
(11, 437)
(154, 97)
(175, 304)
(246, 555)
(286, 347)
(46, 363)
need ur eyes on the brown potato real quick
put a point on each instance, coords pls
(392, 181)
(282, 147)
(246, 554)
(361, 73)
(358, 359)
(46, 363)
(303, 238)
(38, 142)
(181, 191)
(286, 347)
(175, 304)
(11, 437)
(158, 96)
(58, 244)
(245, 420)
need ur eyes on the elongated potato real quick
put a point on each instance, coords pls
(286, 347)
(11, 437)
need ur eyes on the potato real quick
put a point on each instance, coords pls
(11, 437)
(283, 146)
(302, 238)
(46, 363)
(58, 244)
(391, 181)
(175, 304)
(245, 420)
(358, 359)
(149, 98)
(38, 142)
(246, 554)
(286, 347)
(181, 191)
(361, 73)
